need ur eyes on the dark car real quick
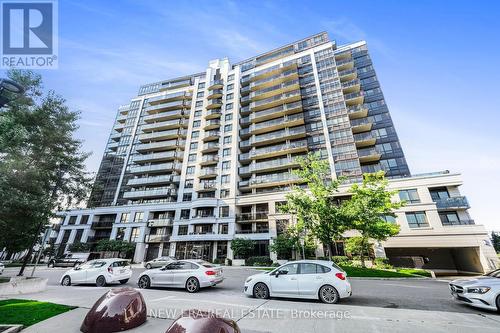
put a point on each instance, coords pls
(68, 260)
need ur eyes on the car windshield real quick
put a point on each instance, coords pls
(495, 274)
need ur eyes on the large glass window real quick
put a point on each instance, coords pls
(410, 196)
(439, 193)
(125, 218)
(139, 216)
(290, 269)
(417, 220)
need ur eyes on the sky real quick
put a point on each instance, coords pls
(437, 62)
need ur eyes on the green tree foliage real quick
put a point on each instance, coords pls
(41, 164)
(356, 246)
(122, 247)
(495, 238)
(315, 207)
(370, 202)
(79, 247)
(284, 245)
(242, 247)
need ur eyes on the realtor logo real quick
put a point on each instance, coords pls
(29, 34)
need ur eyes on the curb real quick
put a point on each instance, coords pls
(389, 278)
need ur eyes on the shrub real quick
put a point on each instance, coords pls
(229, 262)
(259, 261)
(382, 263)
(79, 247)
(276, 264)
(218, 261)
(342, 260)
(242, 247)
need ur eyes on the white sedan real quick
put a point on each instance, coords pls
(99, 271)
(482, 292)
(311, 279)
(189, 274)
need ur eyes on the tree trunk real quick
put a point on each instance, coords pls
(329, 248)
(362, 255)
(30, 249)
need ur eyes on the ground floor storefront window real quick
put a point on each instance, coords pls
(194, 250)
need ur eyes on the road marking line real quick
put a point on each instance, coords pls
(404, 286)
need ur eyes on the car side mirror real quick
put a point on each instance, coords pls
(77, 268)
(282, 272)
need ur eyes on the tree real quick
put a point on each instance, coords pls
(79, 247)
(242, 247)
(356, 246)
(41, 163)
(114, 245)
(315, 207)
(369, 204)
(495, 238)
(284, 245)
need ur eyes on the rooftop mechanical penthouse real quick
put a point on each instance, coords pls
(193, 162)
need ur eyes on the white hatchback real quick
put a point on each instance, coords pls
(311, 279)
(189, 274)
(99, 271)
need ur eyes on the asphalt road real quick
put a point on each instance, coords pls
(418, 294)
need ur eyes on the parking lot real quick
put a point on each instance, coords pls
(400, 305)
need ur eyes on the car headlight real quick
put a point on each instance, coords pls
(248, 280)
(478, 290)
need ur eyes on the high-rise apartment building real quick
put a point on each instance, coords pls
(193, 162)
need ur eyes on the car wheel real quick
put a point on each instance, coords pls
(498, 303)
(192, 285)
(51, 264)
(101, 281)
(261, 291)
(144, 282)
(148, 266)
(124, 281)
(328, 294)
(66, 281)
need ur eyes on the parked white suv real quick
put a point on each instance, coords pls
(482, 292)
(99, 271)
(311, 279)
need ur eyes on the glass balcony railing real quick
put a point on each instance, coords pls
(281, 108)
(158, 192)
(273, 88)
(273, 178)
(210, 146)
(284, 96)
(158, 156)
(163, 134)
(459, 202)
(171, 96)
(157, 238)
(351, 83)
(208, 171)
(167, 106)
(210, 158)
(156, 167)
(166, 123)
(252, 216)
(154, 180)
(348, 72)
(162, 144)
(282, 147)
(164, 115)
(272, 78)
(213, 113)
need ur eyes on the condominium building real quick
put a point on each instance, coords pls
(193, 162)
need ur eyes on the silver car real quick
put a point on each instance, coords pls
(482, 292)
(159, 262)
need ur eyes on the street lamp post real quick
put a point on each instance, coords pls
(9, 91)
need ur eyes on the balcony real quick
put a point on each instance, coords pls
(272, 165)
(281, 110)
(244, 100)
(247, 217)
(459, 202)
(354, 98)
(162, 135)
(154, 180)
(364, 140)
(210, 147)
(358, 111)
(211, 135)
(165, 222)
(112, 145)
(164, 125)
(343, 55)
(212, 124)
(277, 179)
(121, 118)
(345, 64)
(151, 193)
(274, 80)
(163, 145)
(169, 97)
(216, 84)
(158, 157)
(175, 84)
(351, 86)
(287, 148)
(273, 70)
(244, 157)
(288, 97)
(281, 135)
(361, 125)
(368, 155)
(177, 105)
(206, 186)
(102, 225)
(280, 88)
(157, 238)
(276, 124)
(214, 104)
(156, 168)
(165, 116)
(250, 232)
(348, 74)
(208, 173)
(209, 159)
(212, 114)
(216, 93)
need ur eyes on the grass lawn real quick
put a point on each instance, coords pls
(28, 312)
(373, 272)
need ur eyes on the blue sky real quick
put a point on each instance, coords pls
(437, 62)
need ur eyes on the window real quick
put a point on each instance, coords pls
(139, 217)
(230, 78)
(134, 235)
(120, 233)
(290, 269)
(230, 87)
(198, 104)
(189, 183)
(229, 106)
(184, 214)
(224, 211)
(228, 128)
(223, 229)
(187, 197)
(224, 193)
(417, 220)
(125, 218)
(193, 146)
(311, 269)
(229, 97)
(228, 117)
(196, 123)
(183, 230)
(190, 170)
(200, 94)
(85, 219)
(439, 193)
(197, 113)
(195, 134)
(389, 218)
(224, 179)
(451, 218)
(226, 152)
(72, 220)
(192, 157)
(226, 165)
(410, 196)
(201, 85)
(227, 140)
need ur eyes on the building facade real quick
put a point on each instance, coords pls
(193, 162)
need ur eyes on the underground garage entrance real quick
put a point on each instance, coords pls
(443, 261)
